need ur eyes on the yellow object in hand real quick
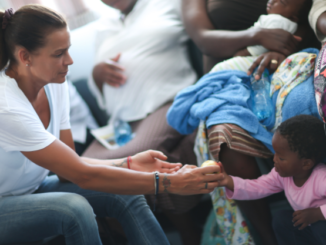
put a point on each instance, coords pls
(213, 163)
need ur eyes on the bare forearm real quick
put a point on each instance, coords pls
(122, 163)
(117, 180)
(224, 44)
(214, 43)
(127, 182)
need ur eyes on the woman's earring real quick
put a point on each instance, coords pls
(26, 64)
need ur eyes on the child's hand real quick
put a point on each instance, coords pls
(226, 180)
(306, 217)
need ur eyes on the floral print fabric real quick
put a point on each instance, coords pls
(293, 70)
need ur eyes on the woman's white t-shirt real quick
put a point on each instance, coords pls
(22, 130)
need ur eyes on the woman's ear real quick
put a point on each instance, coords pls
(23, 56)
(308, 164)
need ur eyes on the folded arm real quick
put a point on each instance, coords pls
(223, 44)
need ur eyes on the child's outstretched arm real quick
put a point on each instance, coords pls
(245, 189)
(306, 217)
(226, 181)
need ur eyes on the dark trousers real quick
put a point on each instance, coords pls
(287, 234)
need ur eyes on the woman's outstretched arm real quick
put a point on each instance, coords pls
(62, 160)
(148, 161)
(223, 44)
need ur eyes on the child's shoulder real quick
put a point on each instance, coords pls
(320, 168)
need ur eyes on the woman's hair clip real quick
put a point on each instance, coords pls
(7, 17)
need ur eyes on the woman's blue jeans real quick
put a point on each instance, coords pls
(58, 208)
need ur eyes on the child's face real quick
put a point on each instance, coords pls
(286, 162)
(287, 8)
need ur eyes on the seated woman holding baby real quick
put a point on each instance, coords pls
(230, 142)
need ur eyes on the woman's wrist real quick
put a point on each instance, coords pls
(129, 161)
(166, 183)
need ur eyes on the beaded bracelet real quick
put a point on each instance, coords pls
(129, 161)
(156, 186)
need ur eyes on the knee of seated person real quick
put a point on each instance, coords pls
(74, 204)
(133, 202)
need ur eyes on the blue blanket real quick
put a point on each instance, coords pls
(223, 97)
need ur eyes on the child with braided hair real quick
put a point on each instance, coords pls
(300, 146)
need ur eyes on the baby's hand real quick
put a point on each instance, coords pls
(306, 217)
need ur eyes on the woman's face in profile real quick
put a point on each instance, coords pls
(50, 63)
(123, 5)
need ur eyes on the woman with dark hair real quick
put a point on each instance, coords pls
(35, 137)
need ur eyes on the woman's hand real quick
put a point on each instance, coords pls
(278, 40)
(190, 180)
(306, 217)
(151, 161)
(269, 60)
(109, 72)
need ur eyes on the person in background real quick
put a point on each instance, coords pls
(280, 15)
(299, 145)
(35, 138)
(220, 29)
(141, 63)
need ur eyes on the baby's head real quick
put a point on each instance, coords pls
(295, 10)
(299, 143)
